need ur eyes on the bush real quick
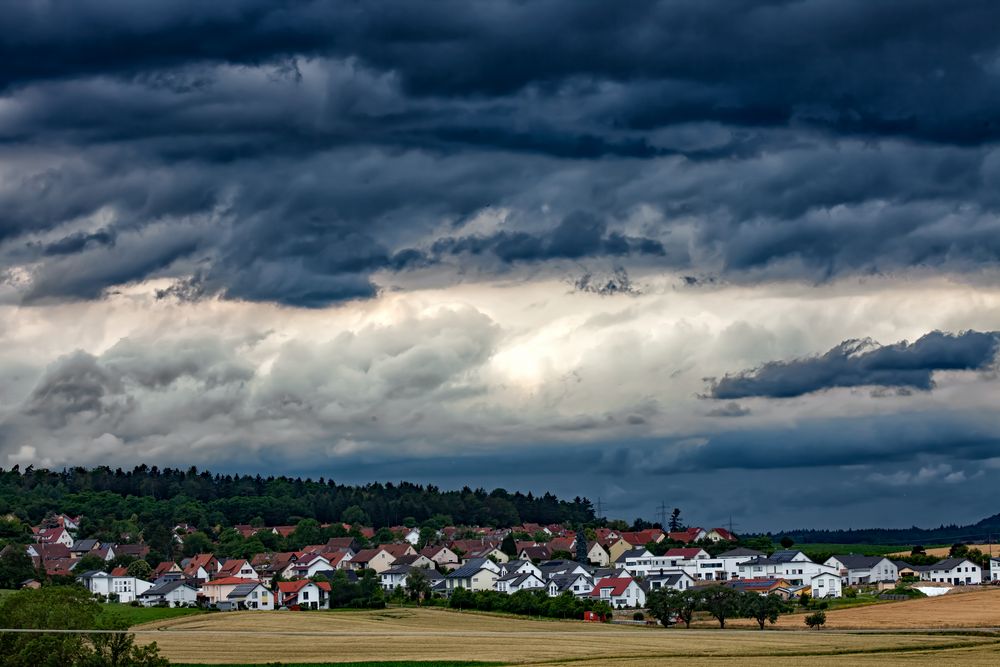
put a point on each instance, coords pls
(816, 620)
(850, 592)
(638, 616)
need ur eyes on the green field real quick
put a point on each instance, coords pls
(137, 615)
(860, 549)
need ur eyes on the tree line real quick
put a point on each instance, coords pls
(165, 497)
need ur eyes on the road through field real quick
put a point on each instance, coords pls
(430, 634)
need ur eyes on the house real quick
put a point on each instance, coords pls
(200, 566)
(304, 594)
(397, 576)
(237, 567)
(793, 566)
(519, 567)
(217, 591)
(167, 568)
(959, 571)
(598, 555)
(399, 550)
(443, 556)
(762, 586)
(171, 593)
(419, 560)
(577, 584)
(70, 523)
(555, 568)
(856, 569)
(57, 535)
(643, 537)
(905, 570)
(342, 544)
(412, 535)
(307, 565)
(678, 581)
(826, 585)
(515, 582)
(565, 544)
(687, 535)
(114, 586)
(619, 592)
(995, 569)
(634, 560)
(732, 559)
(83, 547)
(491, 552)
(248, 595)
(379, 560)
(138, 551)
(719, 535)
(687, 553)
(616, 548)
(476, 574)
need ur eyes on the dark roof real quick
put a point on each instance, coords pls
(945, 564)
(856, 562)
(668, 579)
(633, 553)
(471, 566)
(740, 551)
(243, 590)
(164, 588)
(785, 555)
(518, 579)
(85, 545)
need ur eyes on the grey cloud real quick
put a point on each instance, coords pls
(856, 363)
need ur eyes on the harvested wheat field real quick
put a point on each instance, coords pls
(942, 552)
(975, 608)
(434, 634)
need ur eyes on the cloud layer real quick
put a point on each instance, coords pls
(490, 240)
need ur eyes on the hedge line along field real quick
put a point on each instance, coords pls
(433, 635)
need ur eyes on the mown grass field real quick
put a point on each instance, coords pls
(429, 636)
(140, 615)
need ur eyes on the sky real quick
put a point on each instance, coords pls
(740, 258)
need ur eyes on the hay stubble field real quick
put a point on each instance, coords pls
(439, 635)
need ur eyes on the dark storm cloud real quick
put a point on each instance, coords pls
(857, 363)
(849, 65)
(301, 148)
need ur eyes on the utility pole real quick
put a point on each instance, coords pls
(663, 515)
(600, 508)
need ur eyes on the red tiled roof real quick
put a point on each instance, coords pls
(616, 584)
(119, 572)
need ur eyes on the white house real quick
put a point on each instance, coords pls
(732, 559)
(678, 581)
(520, 567)
(995, 569)
(173, 593)
(856, 569)
(412, 536)
(576, 583)
(515, 582)
(619, 592)
(960, 571)
(793, 566)
(826, 585)
(307, 566)
(397, 576)
(304, 594)
(124, 588)
(476, 574)
(248, 595)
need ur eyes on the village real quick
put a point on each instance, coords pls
(616, 567)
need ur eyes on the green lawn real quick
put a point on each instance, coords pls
(860, 549)
(139, 615)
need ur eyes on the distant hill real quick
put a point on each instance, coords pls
(981, 531)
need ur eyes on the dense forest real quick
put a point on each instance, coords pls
(150, 495)
(982, 531)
